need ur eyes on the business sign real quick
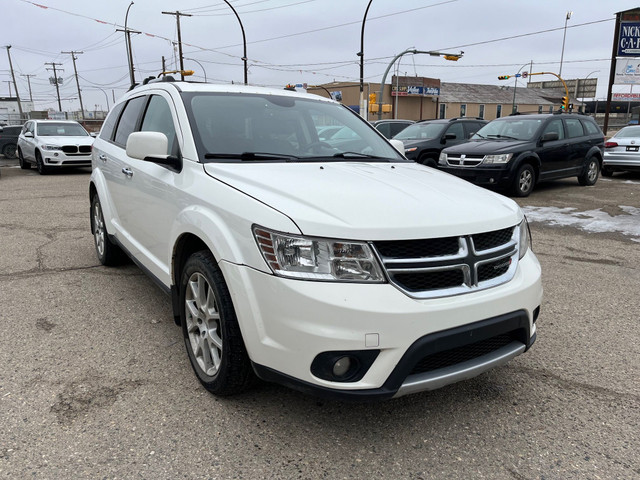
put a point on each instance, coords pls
(629, 39)
(626, 97)
(627, 71)
(414, 90)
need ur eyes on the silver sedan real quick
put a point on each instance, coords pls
(622, 151)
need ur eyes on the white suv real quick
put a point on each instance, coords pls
(52, 144)
(335, 267)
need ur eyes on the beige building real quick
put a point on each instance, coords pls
(420, 98)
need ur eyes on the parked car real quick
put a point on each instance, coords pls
(53, 144)
(340, 272)
(621, 152)
(9, 140)
(518, 151)
(423, 141)
(390, 128)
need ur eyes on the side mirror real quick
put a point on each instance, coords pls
(94, 134)
(549, 136)
(448, 136)
(152, 147)
(28, 135)
(398, 145)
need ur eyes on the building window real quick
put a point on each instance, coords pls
(463, 110)
(481, 111)
(443, 111)
(539, 108)
(550, 108)
(498, 111)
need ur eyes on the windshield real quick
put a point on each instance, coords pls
(61, 130)
(514, 128)
(421, 131)
(233, 127)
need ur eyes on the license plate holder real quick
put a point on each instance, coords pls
(632, 149)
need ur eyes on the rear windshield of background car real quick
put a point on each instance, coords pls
(421, 131)
(629, 132)
(60, 130)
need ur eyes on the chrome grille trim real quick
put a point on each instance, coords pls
(468, 260)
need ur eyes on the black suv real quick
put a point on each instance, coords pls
(423, 141)
(516, 152)
(9, 140)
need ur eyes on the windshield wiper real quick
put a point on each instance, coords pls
(357, 155)
(252, 156)
(478, 135)
(502, 136)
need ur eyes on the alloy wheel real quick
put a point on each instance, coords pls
(203, 324)
(98, 228)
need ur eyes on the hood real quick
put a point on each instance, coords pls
(370, 201)
(67, 140)
(490, 147)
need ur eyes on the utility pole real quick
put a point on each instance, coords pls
(29, 75)
(178, 15)
(164, 66)
(55, 78)
(15, 85)
(75, 70)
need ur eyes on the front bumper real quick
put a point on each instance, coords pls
(286, 324)
(485, 176)
(58, 159)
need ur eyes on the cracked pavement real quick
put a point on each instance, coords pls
(95, 382)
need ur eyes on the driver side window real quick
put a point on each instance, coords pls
(555, 126)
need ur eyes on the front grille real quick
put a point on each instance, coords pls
(434, 247)
(458, 355)
(440, 267)
(465, 160)
(76, 149)
(426, 281)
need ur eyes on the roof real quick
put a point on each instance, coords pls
(498, 94)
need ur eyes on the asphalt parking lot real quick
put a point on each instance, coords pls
(95, 382)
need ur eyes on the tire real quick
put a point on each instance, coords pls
(428, 161)
(9, 151)
(590, 175)
(210, 328)
(605, 172)
(109, 254)
(42, 169)
(524, 181)
(23, 163)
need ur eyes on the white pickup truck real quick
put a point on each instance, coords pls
(335, 267)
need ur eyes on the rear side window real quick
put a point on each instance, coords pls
(574, 128)
(106, 133)
(129, 120)
(591, 127)
(385, 129)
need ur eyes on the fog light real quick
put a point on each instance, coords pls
(491, 180)
(342, 366)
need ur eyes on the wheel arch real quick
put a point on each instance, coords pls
(532, 159)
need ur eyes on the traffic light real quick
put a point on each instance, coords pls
(372, 98)
(504, 77)
(565, 103)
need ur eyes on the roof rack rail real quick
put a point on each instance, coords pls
(468, 118)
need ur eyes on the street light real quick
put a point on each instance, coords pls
(563, 39)
(205, 72)
(447, 56)
(361, 55)
(583, 85)
(515, 87)
(244, 40)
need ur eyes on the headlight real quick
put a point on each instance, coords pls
(504, 158)
(525, 237)
(308, 258)
(442, 160)
(51, 147)
(409, 150)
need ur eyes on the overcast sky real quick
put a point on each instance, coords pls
(301, 41)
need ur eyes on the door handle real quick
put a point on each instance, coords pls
(102, 157)
(128, 172)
